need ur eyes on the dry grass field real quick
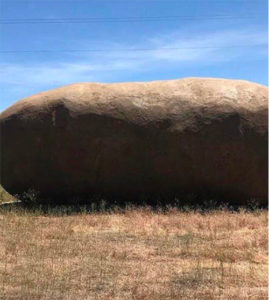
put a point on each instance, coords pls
(133, 254)
(5, 197)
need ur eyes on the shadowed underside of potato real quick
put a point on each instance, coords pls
(198, 135)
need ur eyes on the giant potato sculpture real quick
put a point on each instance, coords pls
(194, 135)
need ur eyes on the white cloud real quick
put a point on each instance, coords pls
(103, 65)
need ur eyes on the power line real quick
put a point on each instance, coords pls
(121, 19)
(218, 1)
(130, 49)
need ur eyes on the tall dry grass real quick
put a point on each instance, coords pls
(133, 254)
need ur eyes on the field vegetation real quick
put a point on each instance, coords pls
(132, 253)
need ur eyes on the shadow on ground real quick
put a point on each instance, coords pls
(103, 206)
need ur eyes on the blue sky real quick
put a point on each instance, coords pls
(244, 22)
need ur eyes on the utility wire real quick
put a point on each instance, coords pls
(121, 19)
(131, 50)
(133, 0)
